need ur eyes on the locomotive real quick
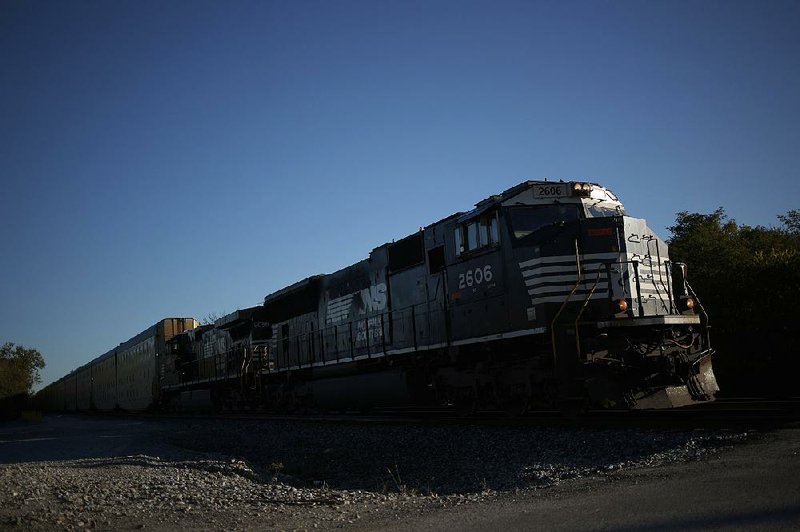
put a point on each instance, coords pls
(547, 295)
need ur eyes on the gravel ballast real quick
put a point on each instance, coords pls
(82, 472)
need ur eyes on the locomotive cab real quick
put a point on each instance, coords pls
(625, 328)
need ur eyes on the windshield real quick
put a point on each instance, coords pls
(526, 220)
(604, 209)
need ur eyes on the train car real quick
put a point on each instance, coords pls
(547, 293)
(45, 398)
(137, 364)
(70, 392)
(226, 358)
(104, 381)
(56, 399)
(51, 397)
(127, 377)
(83, 397)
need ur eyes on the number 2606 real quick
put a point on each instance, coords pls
(476, 276)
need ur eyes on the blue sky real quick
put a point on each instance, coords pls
(187, 157)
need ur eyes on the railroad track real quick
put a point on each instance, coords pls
(734, 413)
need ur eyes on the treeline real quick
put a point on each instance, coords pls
(19, 371)
(748, 280)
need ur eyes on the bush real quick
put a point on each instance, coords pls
(748, 280)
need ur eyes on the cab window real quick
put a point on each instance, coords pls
(476, 234)
(527, 220)
(601, 209)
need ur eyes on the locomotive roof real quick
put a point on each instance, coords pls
(299, 285)
(494, 200)
(480, 207)
(104, 356)
(124, 345)
(525, 185)
(236, 317)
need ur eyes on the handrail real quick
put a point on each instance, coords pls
(359, 336)
(660, 279)
(703, 313)
(583, 307)
(668, 270)
(564, 304)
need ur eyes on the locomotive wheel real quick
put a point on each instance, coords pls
(463, 401)
(573, 407)
(549, 394)
(517, 405)
(466, 407)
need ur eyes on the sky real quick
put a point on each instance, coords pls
(186, 158)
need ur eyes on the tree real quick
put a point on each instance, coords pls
(19, 369)
(211, 317)
(791, 221)
(748, 279)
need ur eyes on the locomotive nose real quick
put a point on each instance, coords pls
(700, 386)
(703, 383)
(601, 235)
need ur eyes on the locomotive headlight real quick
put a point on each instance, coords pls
(620, 305)
(581, 189)
(689, 303)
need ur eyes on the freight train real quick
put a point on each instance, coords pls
(547, 295)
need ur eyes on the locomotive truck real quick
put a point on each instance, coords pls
(547, 295)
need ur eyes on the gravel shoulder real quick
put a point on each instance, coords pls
(755, 486)
(128, 473)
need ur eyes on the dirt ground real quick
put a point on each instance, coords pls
(83, 472)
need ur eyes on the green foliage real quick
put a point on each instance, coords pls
(791, 220)
(748, 280)
(19, 369)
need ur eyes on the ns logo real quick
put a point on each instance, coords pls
(373, 299)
